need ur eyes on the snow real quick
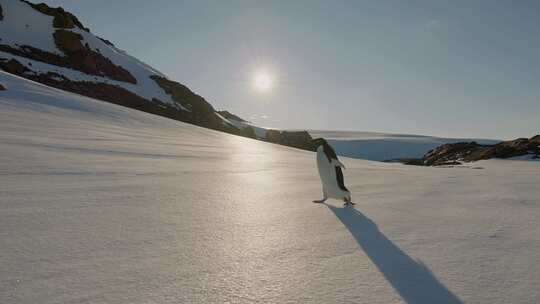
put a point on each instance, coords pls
(104, 204)
(39, 34)
(147, 87)
(528, 157)
(143, 90)
(260, 132)
(381, 146)
(225, 121)
(23, 25)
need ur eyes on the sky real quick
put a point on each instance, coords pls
(443, 68)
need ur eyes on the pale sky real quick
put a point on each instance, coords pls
(446, 68)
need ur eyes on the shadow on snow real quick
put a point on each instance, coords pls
(411, 279)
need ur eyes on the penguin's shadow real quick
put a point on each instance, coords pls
(411, 279)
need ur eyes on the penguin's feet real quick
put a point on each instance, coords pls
(347, 204)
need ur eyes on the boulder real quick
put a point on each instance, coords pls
(1, 13)
(2, 88)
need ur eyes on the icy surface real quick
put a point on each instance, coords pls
(381, 146)
(103, 204)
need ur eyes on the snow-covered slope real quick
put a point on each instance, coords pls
(22, 25)
(51, 46)
(381, 146)
(104, 204)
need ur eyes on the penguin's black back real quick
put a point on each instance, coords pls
(339, 177)
(329, 152)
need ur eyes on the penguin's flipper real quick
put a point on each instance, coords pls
(337, 163)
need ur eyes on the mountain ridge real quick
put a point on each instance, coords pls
(52, 46)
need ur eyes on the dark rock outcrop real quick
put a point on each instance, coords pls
(406, 161)
(2, 88)
(446, 153)
(78, 55)
(248, 131)
(1, 13)
(297, 139)
(107, 42)
(62, 19)
(68, 41)
(201, 111)
(183, 95)
(13, 66)
(230, 115)
(106, 92)
(471, 151)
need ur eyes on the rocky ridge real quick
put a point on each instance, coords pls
(118, 79)
(463, 152)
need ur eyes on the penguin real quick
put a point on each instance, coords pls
(329, 166)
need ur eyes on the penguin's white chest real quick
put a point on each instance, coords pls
(327, 173)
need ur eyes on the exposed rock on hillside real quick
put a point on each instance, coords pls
(201, 111)
(183, 95)
(472, 151)
(13, 66)
(80, 57)
(62, 19)
(77, 57)
(229, 115)
(297, 139)
(62, 53)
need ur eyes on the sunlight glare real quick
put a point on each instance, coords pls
(263, 82)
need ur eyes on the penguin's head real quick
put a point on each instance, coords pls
(318, 142)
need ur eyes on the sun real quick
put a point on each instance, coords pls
(263, 82)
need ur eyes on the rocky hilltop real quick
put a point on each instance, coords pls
(456, 153)
(52, 46)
